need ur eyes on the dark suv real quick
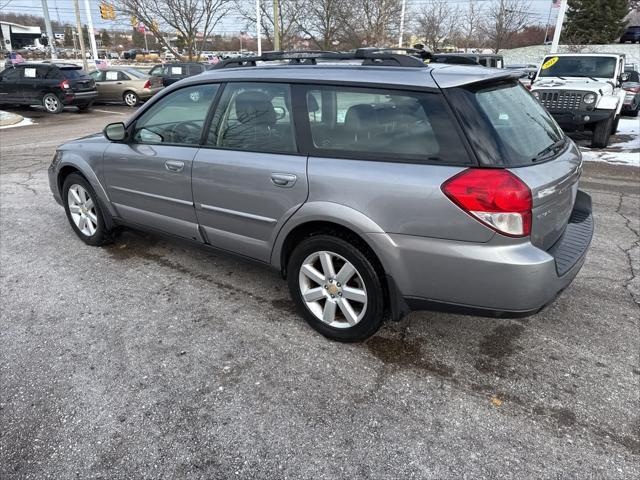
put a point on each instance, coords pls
(632, 34)
(53, 86)
(172, 72)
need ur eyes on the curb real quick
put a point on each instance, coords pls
(8, 118)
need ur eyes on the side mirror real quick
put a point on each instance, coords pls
(115, 132)
(624, 77)
(531, 75)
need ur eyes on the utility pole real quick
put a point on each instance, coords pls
(404, 6)
(258, 28)
(276, 25)
(92, 34)
(47, 24)
(559, 22)
(80, 35)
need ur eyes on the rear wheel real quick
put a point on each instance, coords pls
(634, 113)
(83, 211)
(130, 98)
(336, 288)
(52, 103)
(602, 133)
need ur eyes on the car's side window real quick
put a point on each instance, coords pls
(97, 75)
(254, 117)
(157, 70)
(11, 74)
(123, 76)
(377, 123)
(177, 118)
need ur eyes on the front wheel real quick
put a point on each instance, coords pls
(336, 288)
(602, 133)
(131, 99)
(52, 103)
(83, 211)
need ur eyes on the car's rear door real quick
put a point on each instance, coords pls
(149, 178)
(249, 178)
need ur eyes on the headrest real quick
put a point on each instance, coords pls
(360, 117)
(255, 107)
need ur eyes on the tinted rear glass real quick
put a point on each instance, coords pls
(73, 73)
(135, 73)
(505, 124)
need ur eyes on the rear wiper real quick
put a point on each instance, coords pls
(553, 148)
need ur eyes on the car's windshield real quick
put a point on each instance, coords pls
(578, 66)
(506, 124)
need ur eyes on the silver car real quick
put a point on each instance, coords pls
(375, 183)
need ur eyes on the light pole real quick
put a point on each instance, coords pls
(559, 22)
(92, 34)
(80, 35)
(258, 28)
(47, 24)
(404, 6)
(276, 25)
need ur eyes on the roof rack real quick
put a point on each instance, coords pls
(369, 56)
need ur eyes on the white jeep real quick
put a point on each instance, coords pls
(583, 91)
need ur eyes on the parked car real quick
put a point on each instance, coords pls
(376, 187)
(53, 86)
(583, 91)
(631, 86)
(172, 72)
(631, 34)
(122, 84)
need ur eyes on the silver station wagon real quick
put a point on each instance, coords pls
(374, 182)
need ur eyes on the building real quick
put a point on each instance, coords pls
(14, 36)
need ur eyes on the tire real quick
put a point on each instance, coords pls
(51, 103)
(361, 296)
(130, 98)
(84, 108)
(614, 127)
(602, 133)
(88, 225)
(634, 113)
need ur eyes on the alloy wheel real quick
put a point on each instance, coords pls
(130, 99)
(51, 103)
(82, 210)
(332, 289)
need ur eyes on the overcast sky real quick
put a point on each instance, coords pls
(63, 10)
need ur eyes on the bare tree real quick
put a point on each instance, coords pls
(504, 19)
(288, 21)
(190, 19)
(321, 20)
(470, 24)
(369, 23)
(437, 22)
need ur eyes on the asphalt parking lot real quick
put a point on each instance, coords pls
(153, 358)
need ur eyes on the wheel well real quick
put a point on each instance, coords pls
(311, 229)
(64, 173)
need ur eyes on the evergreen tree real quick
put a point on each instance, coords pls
(105, 38)
(595, 21)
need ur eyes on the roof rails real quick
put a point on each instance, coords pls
(369, 56)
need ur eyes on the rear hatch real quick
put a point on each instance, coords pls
(509, 129)
(78, 79)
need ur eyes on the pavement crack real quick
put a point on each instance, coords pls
(627, 252)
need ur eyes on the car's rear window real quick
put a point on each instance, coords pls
(73, 73)
(135, 73)
(506, 124)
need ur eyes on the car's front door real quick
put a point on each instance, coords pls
(249, 178)
(149, 178)
(10, 89)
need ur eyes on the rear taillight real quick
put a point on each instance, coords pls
(65, 85)
(147, 84)
(496, 198)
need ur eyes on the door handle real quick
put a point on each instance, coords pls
(286, 180)
(174, 165)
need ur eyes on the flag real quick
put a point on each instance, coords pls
(101, 64)
(555, 3)
(141, 27)
(244, 36)
(16, 58)
(214, 59)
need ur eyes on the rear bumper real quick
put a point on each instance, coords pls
(79, 98)
(577, 119)
(498, 278)
(145, 94)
